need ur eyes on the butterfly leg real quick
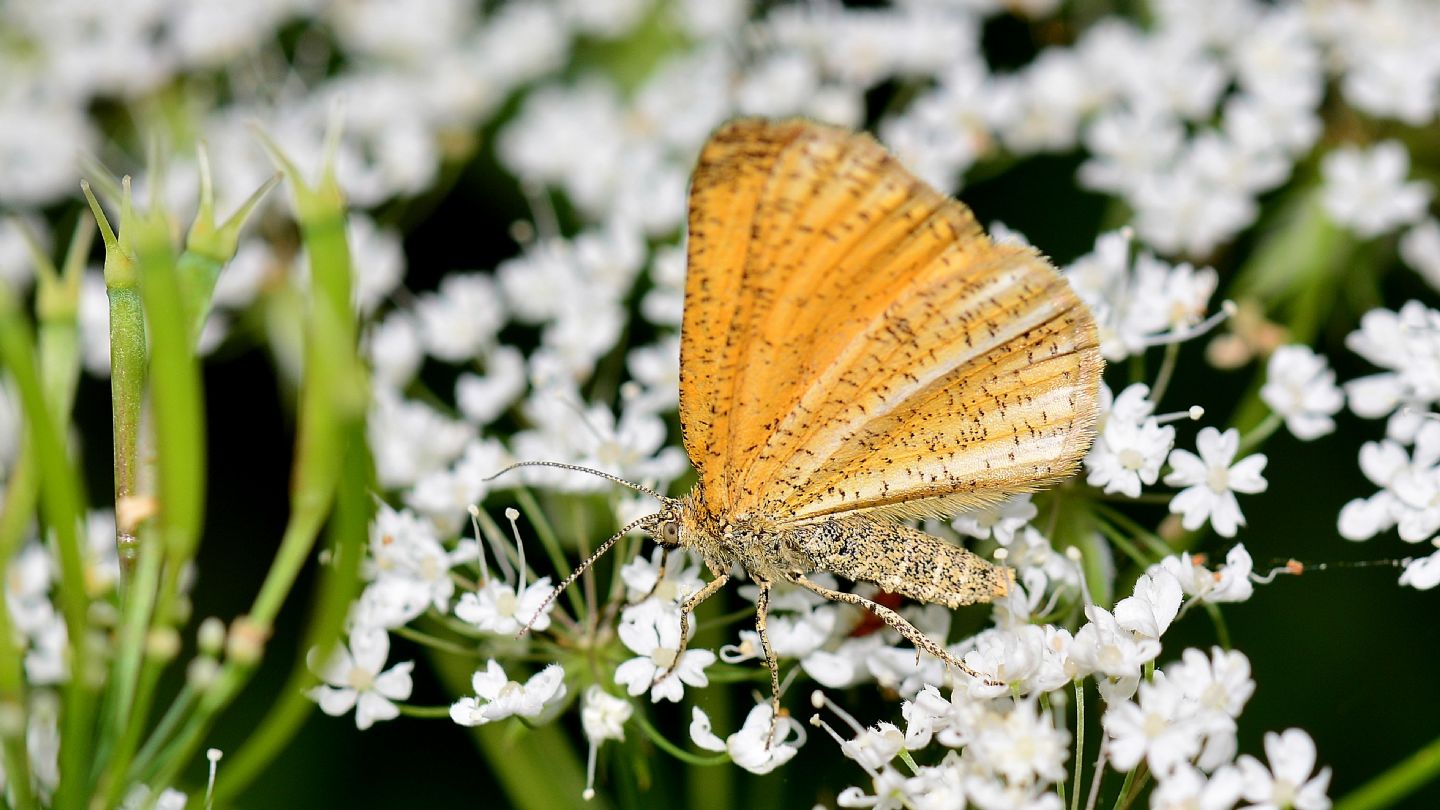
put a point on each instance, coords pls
(762, 610)
(894, 620)
(659, 575)
(686, 609)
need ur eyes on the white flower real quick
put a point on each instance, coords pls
(1366, 189)
(846, 665)
(1407, 345)
(1132, 444)
(1220, 683)
(652, 630)
(1410, 494)
(410, 439)
(404, 546)
(603, 715)
(1420, 248)
(394, 350)
(951, 721)
(1186, 787)
(495, 608)
(1128, 454)
(390, 602)
(1300, 387)
(1211, 481)
(445, 495)
(1159, 729)
(1018, 658)
(642, 576)
(1023, 745)
(751, 747)
(482, 398)
(497, 697)
(1002, 519)
(792, 635)
(1422, 573)
(1103, 646)
(1287, 783)
(353, 679)
(1230, 583)
(1217, 688)
(1150, 611)
(460, 320)
(1143, 303)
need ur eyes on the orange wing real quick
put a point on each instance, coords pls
(853, 341)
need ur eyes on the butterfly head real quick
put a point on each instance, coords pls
(664, 526)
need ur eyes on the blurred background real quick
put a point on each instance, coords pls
(471, 127)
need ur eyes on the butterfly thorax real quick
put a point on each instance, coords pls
(755, 542)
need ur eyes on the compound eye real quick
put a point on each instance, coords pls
(670, 532)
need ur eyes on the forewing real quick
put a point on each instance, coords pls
(992, 391)
(852, 341)
(800, 234)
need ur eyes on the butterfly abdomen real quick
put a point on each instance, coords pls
(901, 560)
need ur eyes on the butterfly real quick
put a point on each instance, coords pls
(855, 352)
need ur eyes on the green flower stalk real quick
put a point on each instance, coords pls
(128, 358)
(63, 513)
(331, 481)
(209, 247)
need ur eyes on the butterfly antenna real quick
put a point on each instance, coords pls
(617, 479)
(580, 569)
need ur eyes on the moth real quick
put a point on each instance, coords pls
(855, 353)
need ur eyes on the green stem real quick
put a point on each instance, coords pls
(551, 543)
(426, 712)
(1167, 370)
(1262, 431)
(1222, 631)
(435, 642)
(1079, 741)
(175, 392)
(179, 708)
(1391, 787)
(21, 493)
(348, 534)
(1120, 541)
(63, 510)
(674, 750)
(124, 723)
(127, 376)
(1125, 787)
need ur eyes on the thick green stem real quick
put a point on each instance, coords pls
(348, 535)
(21, 493)
(1392, 786)
(63, 510)
(128, 359)
(332, 405)
(1079, 741)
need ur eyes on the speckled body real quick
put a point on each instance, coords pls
(894, 557)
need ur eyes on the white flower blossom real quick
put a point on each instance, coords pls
(1366, 189)
(1211, 480)
(353, 679)
(652, 631)
(1300, 387)
(1287, 782)
(752, 747)
(498, 697)
(496, 608)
